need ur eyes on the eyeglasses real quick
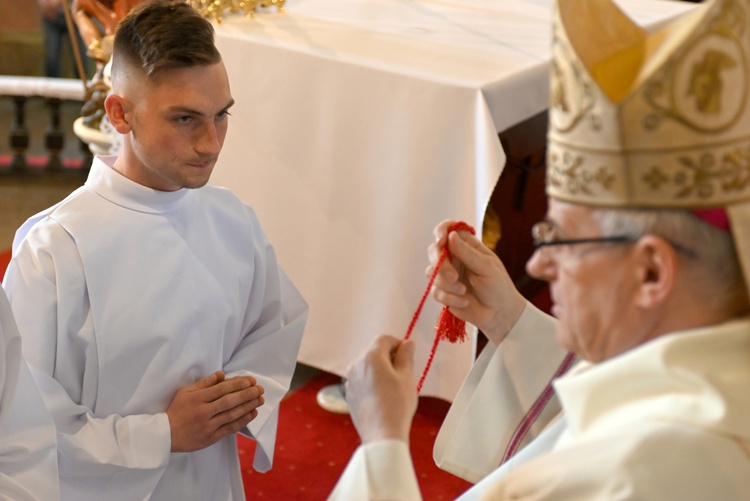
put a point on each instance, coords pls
(544, 236)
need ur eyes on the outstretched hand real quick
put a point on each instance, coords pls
(475, 285)
(381, 392)
(206, 411)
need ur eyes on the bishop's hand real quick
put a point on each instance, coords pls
(474, 285)
(380, 390)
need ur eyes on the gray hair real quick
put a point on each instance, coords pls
(709, 252)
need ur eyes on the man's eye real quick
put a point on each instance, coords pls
(223, 114)
(184, 119)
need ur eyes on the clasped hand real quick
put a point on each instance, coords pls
(206, 411)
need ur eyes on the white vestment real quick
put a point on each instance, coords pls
(123, 294)
(666, 420)
(28, 454)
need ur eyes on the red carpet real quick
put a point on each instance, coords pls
(314, 445)
(4, 260)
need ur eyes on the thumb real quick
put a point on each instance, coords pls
(469, 250)
(404, 357)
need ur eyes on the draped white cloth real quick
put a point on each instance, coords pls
(370, 121)
(123, 295)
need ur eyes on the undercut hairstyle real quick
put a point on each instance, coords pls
(163, 34)
(709, 252)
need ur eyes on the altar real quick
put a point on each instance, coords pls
(361, 124)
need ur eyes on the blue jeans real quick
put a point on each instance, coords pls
(55, 38)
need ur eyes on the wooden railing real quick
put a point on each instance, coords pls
(55, 91)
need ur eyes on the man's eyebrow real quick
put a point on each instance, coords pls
(552, 223)
(190, 111)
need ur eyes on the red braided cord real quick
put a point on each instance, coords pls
(429, 363)
(448, 327)
(415, 317)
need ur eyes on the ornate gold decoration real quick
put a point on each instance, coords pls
(709, 175)
(567, 172)
(652, 119)
(696, 86)
(572, 96)
(216, 9)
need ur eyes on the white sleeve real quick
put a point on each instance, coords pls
(275, 319)
(501, 387)
(28, 452)
(378, 471)
(49, 298)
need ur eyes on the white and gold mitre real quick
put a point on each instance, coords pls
(650, 119)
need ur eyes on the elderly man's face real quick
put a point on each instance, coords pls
(592, 285)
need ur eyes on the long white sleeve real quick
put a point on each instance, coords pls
(50, 296)
(503, 384)
(28, 454)
(378, 471)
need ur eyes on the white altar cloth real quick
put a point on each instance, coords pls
(361, 124)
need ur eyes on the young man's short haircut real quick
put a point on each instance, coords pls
(164, 34)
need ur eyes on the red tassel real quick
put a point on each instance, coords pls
(449, 327)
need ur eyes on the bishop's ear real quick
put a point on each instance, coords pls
(656, 267)
(116, 107)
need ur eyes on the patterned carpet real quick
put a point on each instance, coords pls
(314, 445)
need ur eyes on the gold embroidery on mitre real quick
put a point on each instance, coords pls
(704, 85)
(567, 172)
(571, 94)
(707, 176)
(678, 137)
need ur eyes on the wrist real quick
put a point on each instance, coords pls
(505, 320)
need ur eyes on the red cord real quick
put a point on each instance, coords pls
(449, 327)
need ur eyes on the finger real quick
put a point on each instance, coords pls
(228, 387)
(449, 270)
(449, 285)
(234, 412)
(434, 251)
(381, 347)
(249, 379)
(441, 231)
(469, 251)
(210, 380)
(385, 343)
(236, 425)
(233, 406)
(450, 300)
(403, 359)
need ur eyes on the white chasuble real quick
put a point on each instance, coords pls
(666, 420)
(125, 294)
